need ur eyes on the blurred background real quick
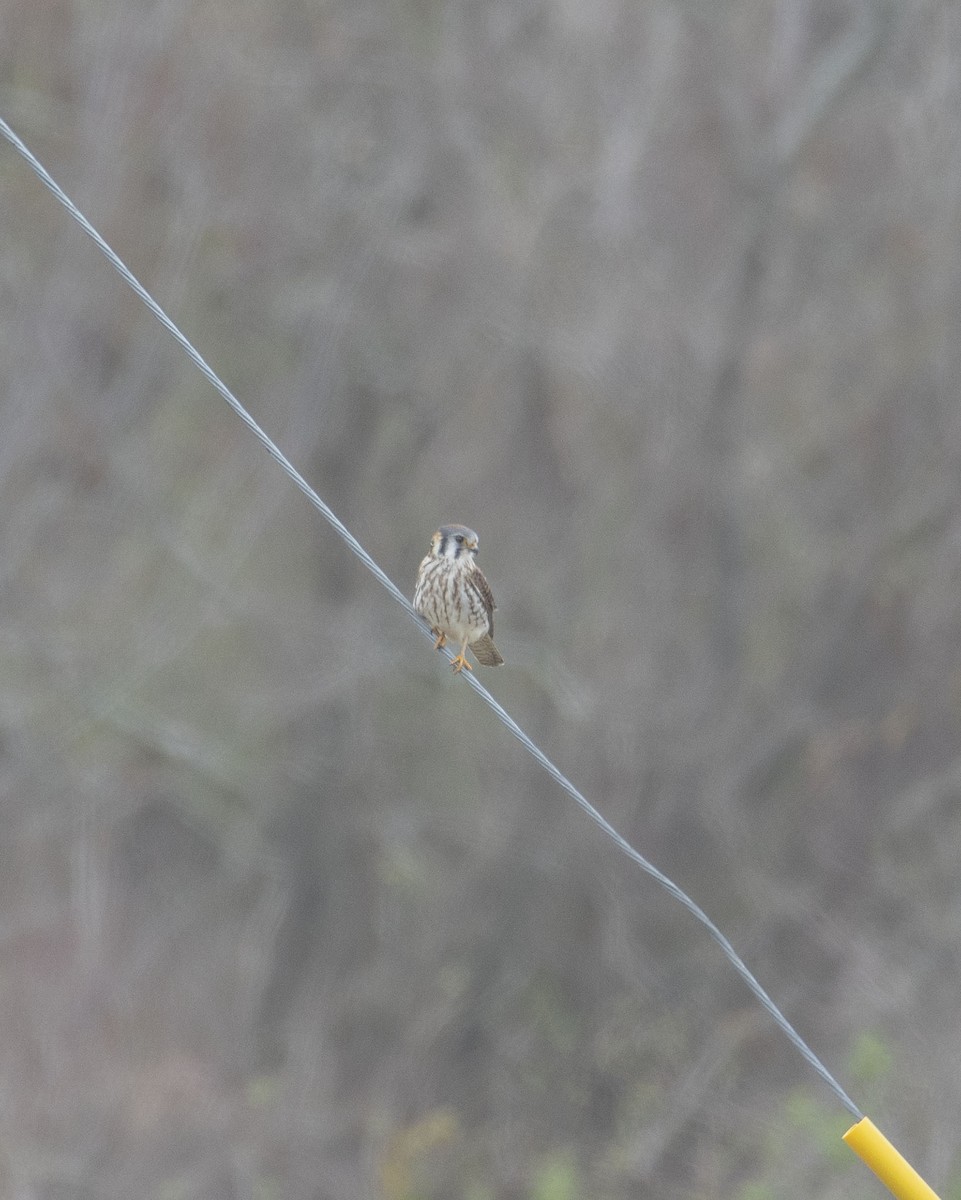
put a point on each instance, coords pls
(663, 300)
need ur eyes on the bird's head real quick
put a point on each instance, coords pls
(454, 541)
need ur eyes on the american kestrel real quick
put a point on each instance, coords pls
(455, 598)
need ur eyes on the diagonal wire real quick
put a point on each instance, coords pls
(506, 719)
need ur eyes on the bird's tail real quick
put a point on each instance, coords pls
(486, 652)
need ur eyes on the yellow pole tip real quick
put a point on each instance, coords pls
(894, 1171)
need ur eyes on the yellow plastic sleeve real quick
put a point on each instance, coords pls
(894, 1171)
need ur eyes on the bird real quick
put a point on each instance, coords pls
(455, 599)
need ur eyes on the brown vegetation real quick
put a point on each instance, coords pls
(663, 300)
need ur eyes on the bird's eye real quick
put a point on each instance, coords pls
(459, 539)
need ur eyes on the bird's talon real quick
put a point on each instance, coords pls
(459, 663)
(441, 640)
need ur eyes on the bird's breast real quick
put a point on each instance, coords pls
(448, 599)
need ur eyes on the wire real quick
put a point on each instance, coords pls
(501, 713)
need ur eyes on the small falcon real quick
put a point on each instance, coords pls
(454, 597)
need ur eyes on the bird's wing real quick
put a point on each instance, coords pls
(487, 596)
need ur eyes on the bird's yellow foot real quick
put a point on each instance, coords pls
(459, 663)
(441, 640)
